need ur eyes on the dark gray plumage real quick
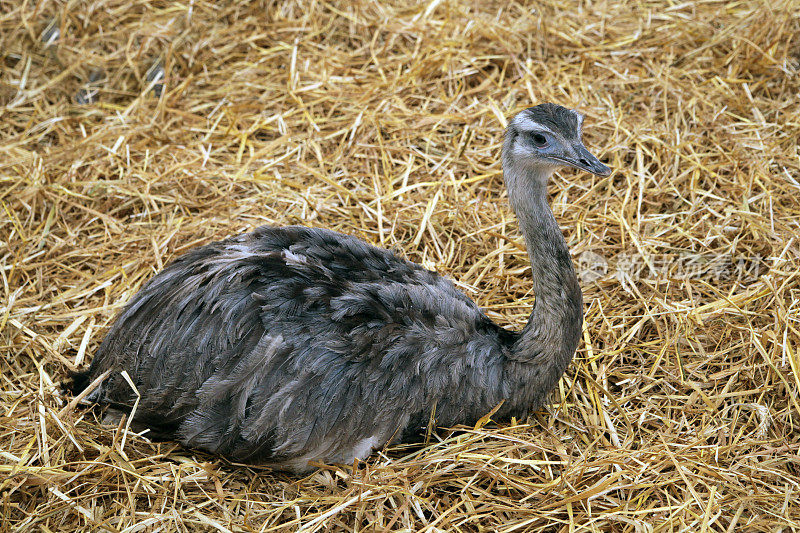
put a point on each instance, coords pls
(289, 345)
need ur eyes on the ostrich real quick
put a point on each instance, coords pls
(289, 346)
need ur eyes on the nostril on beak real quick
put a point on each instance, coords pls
(583, 161)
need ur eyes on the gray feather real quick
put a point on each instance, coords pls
(290, 345)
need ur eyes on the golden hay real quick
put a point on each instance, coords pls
(680, 412)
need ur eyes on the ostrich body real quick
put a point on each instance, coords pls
(290, 345)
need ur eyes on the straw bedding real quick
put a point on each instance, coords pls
(384, 121)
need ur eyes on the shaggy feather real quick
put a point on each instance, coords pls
(290, 345)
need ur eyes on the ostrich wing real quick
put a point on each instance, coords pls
(266, 344)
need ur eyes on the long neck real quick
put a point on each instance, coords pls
(554, 327)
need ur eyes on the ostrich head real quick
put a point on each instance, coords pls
(544, 138)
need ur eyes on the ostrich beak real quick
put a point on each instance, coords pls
(582, 159)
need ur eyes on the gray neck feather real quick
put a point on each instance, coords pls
(554, 327)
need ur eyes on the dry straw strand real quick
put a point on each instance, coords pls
(200, 119)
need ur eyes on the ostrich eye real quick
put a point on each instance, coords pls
(538, 139)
